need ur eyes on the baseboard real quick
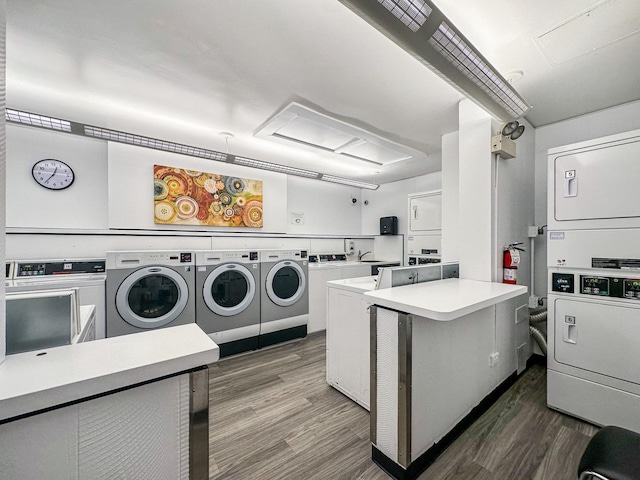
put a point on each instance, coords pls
(239, 346)
(280, 336)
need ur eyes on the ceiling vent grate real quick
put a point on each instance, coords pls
(441, 47)
(309, 128)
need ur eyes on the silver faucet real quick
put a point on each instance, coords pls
(360, 255)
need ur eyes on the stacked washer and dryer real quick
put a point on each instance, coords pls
(593, 257)
(243, 300)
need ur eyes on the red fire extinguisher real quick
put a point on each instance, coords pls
(510, 262)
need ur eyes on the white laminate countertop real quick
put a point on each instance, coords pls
(29, 382)
(357, 285)
(347, 263)
(445, 300)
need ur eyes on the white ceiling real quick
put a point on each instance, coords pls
(187, 70)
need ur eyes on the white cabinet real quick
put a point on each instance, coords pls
(141, 432)
(348, 344)
(425, 211)
(318, 278)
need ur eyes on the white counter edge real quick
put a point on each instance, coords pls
(446, 302)
(70, 373)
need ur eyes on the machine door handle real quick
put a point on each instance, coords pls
(570, 183)
(415, 212)
(570, 330)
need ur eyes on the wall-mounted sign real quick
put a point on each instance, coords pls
(188, 197)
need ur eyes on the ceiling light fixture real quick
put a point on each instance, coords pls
(66, 126)
(154, 143)
(34, 120)
(423, 30)
(503, 142)
(275, 167)
(348, 181)
(513, 130)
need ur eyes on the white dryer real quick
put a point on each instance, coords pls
(284, 314)
(87, 275)
(149, 290)
(228, 298)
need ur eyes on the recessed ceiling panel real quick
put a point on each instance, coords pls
(604, 23)
(304, 130)
(301, 125)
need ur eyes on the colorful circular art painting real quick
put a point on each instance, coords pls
(194, 197)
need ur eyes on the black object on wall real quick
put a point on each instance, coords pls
(388, 225)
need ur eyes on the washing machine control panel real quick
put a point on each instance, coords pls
(39, 268)
(616, 287)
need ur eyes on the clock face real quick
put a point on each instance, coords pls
(53, 174)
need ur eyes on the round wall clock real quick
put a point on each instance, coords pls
(53, 174)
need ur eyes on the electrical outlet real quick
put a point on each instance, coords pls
(493, 359)
(533, 301)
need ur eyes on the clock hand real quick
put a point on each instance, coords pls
(52, 175)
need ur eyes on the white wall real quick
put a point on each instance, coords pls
(131, 188)
(83, 205)
(391, 200)
(586, 127)
(326, 208)
(110, 203)
(450, 198)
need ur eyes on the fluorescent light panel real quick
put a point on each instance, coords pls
(35, 120)
(26, 118)
(348, 181)
(446, 41)
(274, 167)
(433, 40)
(413, 13)
(141, 141)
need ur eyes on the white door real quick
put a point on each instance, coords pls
(597, 184)
(598, 337)
(425, 213)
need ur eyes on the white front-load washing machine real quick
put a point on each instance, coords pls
(228, 298)
(285, 296)
(149, 290)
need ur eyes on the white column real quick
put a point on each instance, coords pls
(450, 198)
(476, 220)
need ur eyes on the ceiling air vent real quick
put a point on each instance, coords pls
(304, 126)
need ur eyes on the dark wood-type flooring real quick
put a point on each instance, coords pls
(273, 416)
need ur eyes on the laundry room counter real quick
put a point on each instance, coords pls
(445, 300)
(32, 381)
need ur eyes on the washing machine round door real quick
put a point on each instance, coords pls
(285, 283)
(152, 297)
(229, 289)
